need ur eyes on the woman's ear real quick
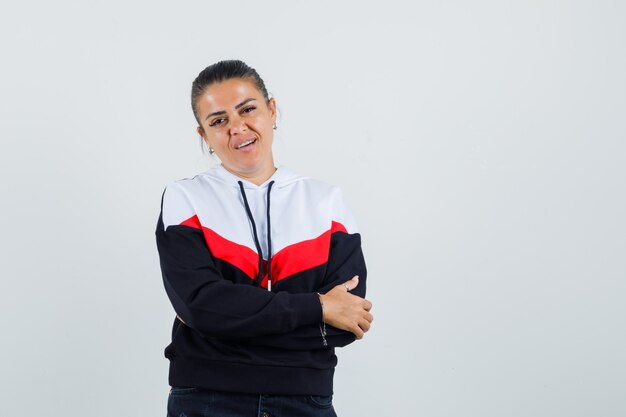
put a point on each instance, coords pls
(272, 106)
(200, 131)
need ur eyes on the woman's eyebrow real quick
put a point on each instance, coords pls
(223, 111)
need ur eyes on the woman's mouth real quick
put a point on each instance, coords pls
(246, 144)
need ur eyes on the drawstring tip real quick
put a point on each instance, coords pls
(269, 285)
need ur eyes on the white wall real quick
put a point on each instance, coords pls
(481, 146)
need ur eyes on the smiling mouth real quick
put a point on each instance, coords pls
(246, 143)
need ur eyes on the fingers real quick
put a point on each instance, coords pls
(368, 316)
(364, 325)
(358, 332)
(351, 283)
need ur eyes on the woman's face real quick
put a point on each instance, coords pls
(237, 124)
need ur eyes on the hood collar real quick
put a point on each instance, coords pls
(282, 176)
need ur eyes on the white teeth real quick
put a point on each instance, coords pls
(246, 143)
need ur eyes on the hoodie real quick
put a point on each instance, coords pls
(243, 266)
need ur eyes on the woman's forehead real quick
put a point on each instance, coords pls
(227, 95)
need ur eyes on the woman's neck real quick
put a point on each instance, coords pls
(257, 177)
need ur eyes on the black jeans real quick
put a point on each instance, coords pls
(199, 402)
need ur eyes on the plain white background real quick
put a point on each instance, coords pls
(480, 146)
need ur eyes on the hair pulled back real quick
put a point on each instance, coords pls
(222, 71)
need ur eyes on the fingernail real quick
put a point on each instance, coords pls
(355, 277)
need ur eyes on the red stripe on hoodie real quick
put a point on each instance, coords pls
(288, 261)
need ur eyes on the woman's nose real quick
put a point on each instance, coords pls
(237, 125)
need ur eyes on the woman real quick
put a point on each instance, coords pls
(263, 267)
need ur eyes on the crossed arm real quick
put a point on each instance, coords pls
(205, 301)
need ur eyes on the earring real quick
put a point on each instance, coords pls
(211, 150)
(274, 127)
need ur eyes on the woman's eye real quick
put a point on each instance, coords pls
(215, 122)
(249, 108)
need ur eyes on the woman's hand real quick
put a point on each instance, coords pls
(347, 311)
